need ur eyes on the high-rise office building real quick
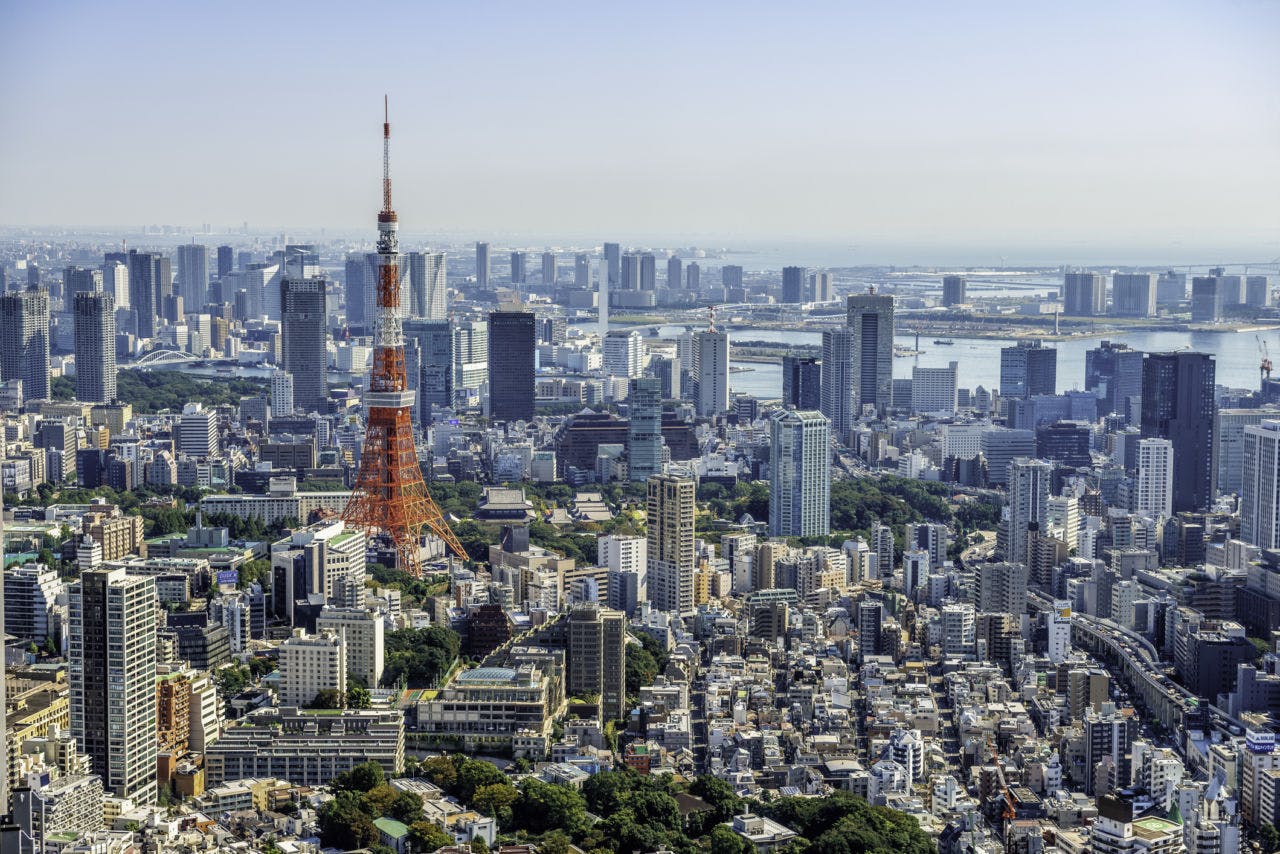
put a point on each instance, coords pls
(648, 272)
(582, 271)
(198, 431)
(693, 277)
(1171, 288)
(428, 292)
(1257, 291)
(933, 390)
(1178, 405)
(1084, 295)
(711, 355)
(626, 559)
(870, 320)
(644, 430)
(731, 277)
(1028, 369)
(953, 290)
(512, 349)
(281, 394)
(629, 273)
(1028, 503)
(304, 339)
(95, 338)
(470, 355)
(1114, 372)
(1228, 446)
(226, 260)
(675, 273)
(1154, 494)
(113, 679)
(1000, 588)
(24, 341)
(310, 664)
(821, 287)
(1206, 299)
(799, 474)
(193, 275)
(115, 281)
(801, 382)
(838, 381)
(1260, 485)
(77, 280)
(596, 660)
(549, 269)
(519, 262)
(623, 351)
(793, 284)
(356, 284)
(670, 533)
(1133, 295)
(482, 265)
(142, 291)
(613, 264)
(434, 341)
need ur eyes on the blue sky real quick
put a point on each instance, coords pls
(1017, 123)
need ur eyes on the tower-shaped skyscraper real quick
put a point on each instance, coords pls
(95, 341)
(391, 498)
(24, 341)
(870, 321)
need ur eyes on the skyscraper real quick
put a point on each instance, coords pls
(793, 284)
(1084, 295)
(356, 285)
(1028, 369)
(1206, 299)
(482, 265)
(648, 272)
(304, 335)
(77, 280)
(226, 260)
(613, 265)
(597, 657)
(24, 341)
(518, 267)
(693, 277)
(115, 281)
(933, 390)
(675, 274)
(582, 271)
(428, 293)
(953, 290)
(142, 291)
(799, 474)
(1260, 489)
(670, 532)
(548, 269)
(113, 679)
(801, 382)
(1257, 291)
(711, 354)
(512, 343)
(193, 275)
(95, 340)
(644, 430)
(838, 381)
(1114, 372)
(1155, 478)
(434, 340)
(870, 320)
(1178, 405)
(731, 277)
(1133, 295)
(1028, 503)
(629, 273)
(281, 394)
(622, 353)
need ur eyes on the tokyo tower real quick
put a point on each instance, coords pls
(390, 498)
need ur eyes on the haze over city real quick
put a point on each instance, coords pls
(1075, 132)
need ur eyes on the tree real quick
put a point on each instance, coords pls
(378, 800)
(345, 825)
(258, 570)
(358, 697)
(362, 778)
(724, 802)
(475, 774)
(495, 800)
(327, 698)
(406, 808)
(1270, 837)
(555, 842)
(542, 807)
(725, 841)
(442, 771)
(641, 669)
(425, 836)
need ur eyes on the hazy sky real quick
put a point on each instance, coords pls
(1010, 123)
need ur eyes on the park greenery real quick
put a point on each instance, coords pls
(154, 391)
(420, 658)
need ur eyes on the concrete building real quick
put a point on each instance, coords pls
(711, 361)
(113, 679)
(670, 532)
(1028, 503)
(95, 341)
(799, 474)
(198, 431)
(1028, 369)
(24, 341)
(304, 339)
(869, 318)
(1154, 496)
(1133, 295)
(623, 350)
(933, 390)
(1084, 295)
(310, 664)
(837, 381)
(597, 657)
(364, 635)
(1260, 485)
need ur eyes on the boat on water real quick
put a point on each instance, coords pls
(946, 342)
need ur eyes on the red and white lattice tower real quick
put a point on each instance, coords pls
(390, 497)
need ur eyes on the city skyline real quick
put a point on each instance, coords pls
(1044, 149)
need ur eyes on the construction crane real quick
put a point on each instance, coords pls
(1264, 367)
